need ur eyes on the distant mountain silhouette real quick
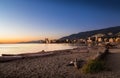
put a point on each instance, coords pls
(84, 35)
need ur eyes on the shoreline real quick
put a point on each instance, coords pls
(32, 48)
(11, 57)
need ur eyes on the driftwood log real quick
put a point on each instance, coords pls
(11, 57)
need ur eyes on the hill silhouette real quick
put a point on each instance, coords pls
(84, 35)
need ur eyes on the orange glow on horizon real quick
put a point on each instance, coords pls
(11, 40)
(16, 40)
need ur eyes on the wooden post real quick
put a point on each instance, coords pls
(76, 63)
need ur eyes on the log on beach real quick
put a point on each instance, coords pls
(9, 58)
(37, 55)
(81, 50)
(9, 55)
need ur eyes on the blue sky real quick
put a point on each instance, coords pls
(38, 19)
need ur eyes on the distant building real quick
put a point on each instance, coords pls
(89, 41)
(110, 33)
(53, 41)
(111, 40)
(99, 39)
(117, 39)
(118, 34)
(47, 40)
(67, 40)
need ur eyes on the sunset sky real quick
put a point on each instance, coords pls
(25, 20)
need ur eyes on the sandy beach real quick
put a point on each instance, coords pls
(55, 66)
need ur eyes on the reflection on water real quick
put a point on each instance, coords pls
(29, 48)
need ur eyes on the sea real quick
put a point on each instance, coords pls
(32, 48)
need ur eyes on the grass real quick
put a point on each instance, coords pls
(93, 66)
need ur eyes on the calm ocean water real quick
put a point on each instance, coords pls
(30, 48)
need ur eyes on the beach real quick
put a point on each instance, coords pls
(55, 66)
(59, 38)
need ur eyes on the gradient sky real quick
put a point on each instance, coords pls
(25, 20)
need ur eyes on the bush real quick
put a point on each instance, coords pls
(93, 66)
